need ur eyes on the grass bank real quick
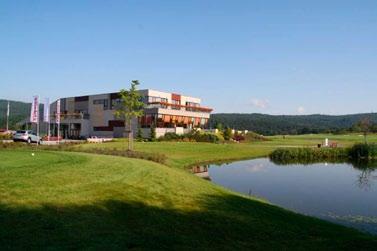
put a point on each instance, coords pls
(65, 200)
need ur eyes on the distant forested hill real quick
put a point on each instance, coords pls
(289, 124)
(18, 112)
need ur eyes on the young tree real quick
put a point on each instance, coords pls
(219, 126)
(129, 108)
(365, 126)
(227, 134)
(153, 133)
(139, 135)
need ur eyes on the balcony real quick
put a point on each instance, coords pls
(178, 107)
(66, 116)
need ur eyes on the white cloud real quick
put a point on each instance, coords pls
(301, 110)
(260, 103)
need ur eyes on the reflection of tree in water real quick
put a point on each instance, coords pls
(367, 168)
(366, 177)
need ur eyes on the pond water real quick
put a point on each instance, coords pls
(340, 193)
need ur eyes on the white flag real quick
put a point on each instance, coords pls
(58, 111)
(8, 110)
(46, 111)
(34, 113)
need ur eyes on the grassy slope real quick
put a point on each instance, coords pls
(73, 200)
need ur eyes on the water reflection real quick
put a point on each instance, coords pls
(201, 171)
(366, 168)
(343, 192)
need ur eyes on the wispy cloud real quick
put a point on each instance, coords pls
(301, 110)
(260, 103)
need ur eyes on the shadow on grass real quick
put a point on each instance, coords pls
(228, 222)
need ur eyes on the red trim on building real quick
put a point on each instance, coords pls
(110, 127)
(176, 97)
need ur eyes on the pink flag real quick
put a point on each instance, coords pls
(34, 113)
(58, 111)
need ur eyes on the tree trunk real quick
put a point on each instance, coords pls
(130, 135)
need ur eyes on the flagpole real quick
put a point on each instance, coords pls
(57, 120)
(8, 117)
(38, 118)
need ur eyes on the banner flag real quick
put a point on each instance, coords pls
(58, 111)
(46, 111)
(34, 113)
(8, 110)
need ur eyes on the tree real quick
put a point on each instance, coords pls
(365, 126)
(153, 133)
(139, 135)
(129, 108)
(227, 134)
(219, 126)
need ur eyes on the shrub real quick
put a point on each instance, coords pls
(170, 136)
(363, 151)
(153, 133)
(238, 137)
(252, 136)
(206, 137)
(194, 136)
(7, 136)
(308, 155)
(227, 134)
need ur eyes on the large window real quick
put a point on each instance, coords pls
(155, 102)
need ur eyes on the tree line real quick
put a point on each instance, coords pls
(295, 124)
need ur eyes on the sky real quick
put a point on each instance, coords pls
(274, 57)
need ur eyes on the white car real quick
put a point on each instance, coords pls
(26, 136)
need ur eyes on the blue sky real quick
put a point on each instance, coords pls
(276, 57)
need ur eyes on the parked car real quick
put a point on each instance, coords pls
(26, 136)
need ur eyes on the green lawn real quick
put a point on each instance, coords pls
(314, 139)
(184, 154)
(67, 200)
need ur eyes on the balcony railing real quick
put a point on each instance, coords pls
(77, 115)
(178, 107)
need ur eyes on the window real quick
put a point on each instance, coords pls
(156, 102)
(190, 106)
(115, 103)
(104, 102)
(176, 104)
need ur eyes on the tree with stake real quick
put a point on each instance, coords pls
(365, 126)
(130, 107)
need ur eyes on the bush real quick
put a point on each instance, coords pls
(227, 134)
(363, 151)
(7, 136)
(308, 155)
(238, 137)
(153, 133)
(171, 136)
(252, 136)
(194, 136)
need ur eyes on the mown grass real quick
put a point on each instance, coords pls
(65, 200)
(186, 154)
(312, 140)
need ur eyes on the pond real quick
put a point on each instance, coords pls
(340, 192)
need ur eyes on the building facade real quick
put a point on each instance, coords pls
(93, 115)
